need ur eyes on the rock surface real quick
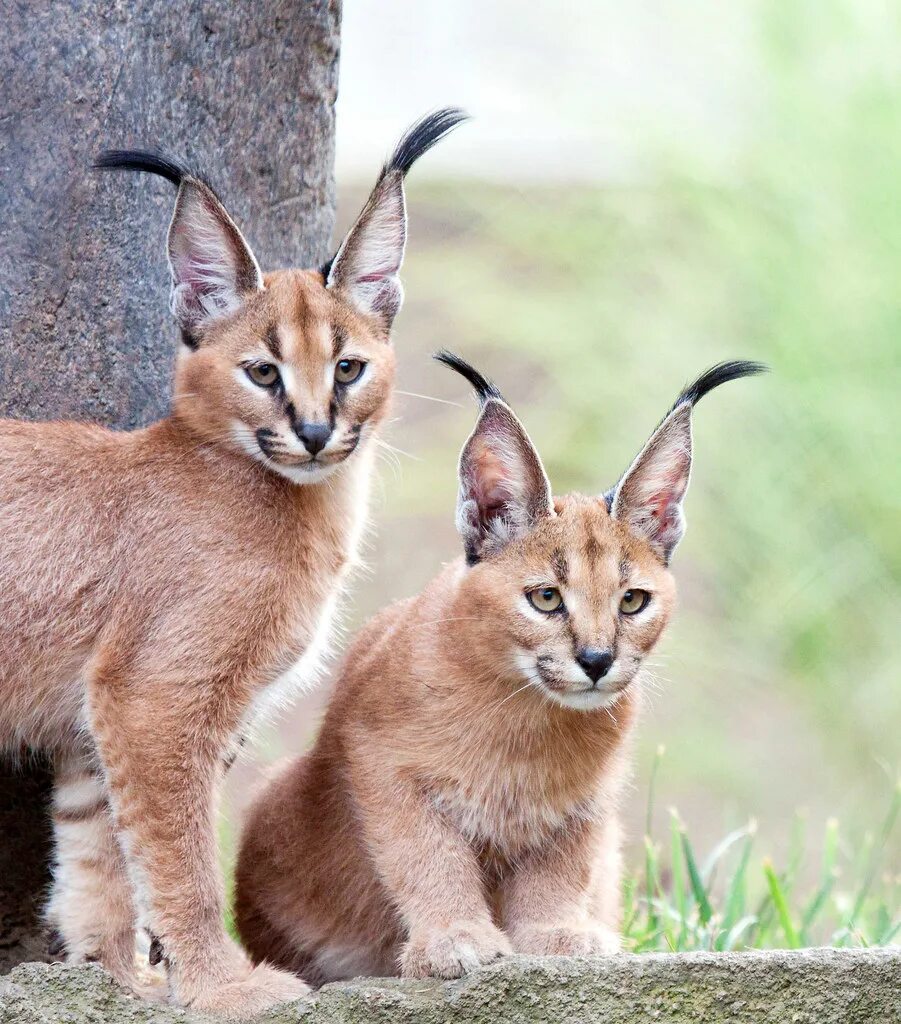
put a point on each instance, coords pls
(816, 986)
(242, 90)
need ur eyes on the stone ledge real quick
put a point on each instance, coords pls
(815, 986)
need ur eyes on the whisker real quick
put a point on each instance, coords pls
(519, 689)
(459, 618)
(397, 451)
(428, 398)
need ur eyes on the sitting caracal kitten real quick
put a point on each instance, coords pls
(158, 586)
(461, 800)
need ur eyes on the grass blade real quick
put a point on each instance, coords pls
(705, 911)
(828, 876)
(777, 895)
(875, 854)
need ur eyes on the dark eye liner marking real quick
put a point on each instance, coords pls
(558, 562)
(273, 342)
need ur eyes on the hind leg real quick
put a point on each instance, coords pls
(90, 904)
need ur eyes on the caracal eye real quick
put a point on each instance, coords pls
(264, 375)
(634, 601)
(545, 599)
(348, 370)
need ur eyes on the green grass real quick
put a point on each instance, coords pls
(734, 899)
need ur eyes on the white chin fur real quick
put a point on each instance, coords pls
(584, 700)
(302, 474)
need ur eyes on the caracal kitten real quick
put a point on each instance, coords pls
(159, 586)
(461, 800)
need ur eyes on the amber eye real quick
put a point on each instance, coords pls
(348, 370)
(265, 375)
(634, 601)
(545, 599)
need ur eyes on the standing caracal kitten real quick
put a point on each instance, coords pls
(461, 800)
(159, 586)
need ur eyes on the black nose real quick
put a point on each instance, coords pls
(314, 436)
(595, 664)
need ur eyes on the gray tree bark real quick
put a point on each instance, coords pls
(243, 90)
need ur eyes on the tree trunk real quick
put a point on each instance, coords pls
(242, 90)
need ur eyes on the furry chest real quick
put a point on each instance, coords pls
(509, 813)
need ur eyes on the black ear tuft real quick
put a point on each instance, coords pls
(142, 160)
(722, 373)
(483, 387)
(420, 138)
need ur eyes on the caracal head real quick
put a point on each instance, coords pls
(571, 593)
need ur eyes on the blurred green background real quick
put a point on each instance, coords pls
(765, 224)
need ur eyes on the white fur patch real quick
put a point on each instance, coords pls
(70, 797)
(302, 676)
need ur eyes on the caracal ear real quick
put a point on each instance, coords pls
(649, 497)
(213, 269)
(504, 490)
(366, 267)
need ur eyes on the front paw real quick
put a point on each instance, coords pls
(565, 940)
(452, 952)
(262, 989)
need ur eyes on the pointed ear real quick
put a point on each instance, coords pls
(367, 265)
(648, 499)
(213, 269)
(504, 490)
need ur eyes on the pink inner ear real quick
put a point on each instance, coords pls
(661, 501)
(188, 264)
(490, 483)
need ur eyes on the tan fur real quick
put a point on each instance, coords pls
(154, 587)
(462, 798)
(160, 588)
(451, 810)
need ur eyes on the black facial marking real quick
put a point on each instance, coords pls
(293, 418)
(272, 341)
(625, 571)
(339, 340)
(265, 438)
(593, 549)
(559, 564)
(350, 445)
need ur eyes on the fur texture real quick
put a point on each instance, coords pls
(159, 588)
(461, 800)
